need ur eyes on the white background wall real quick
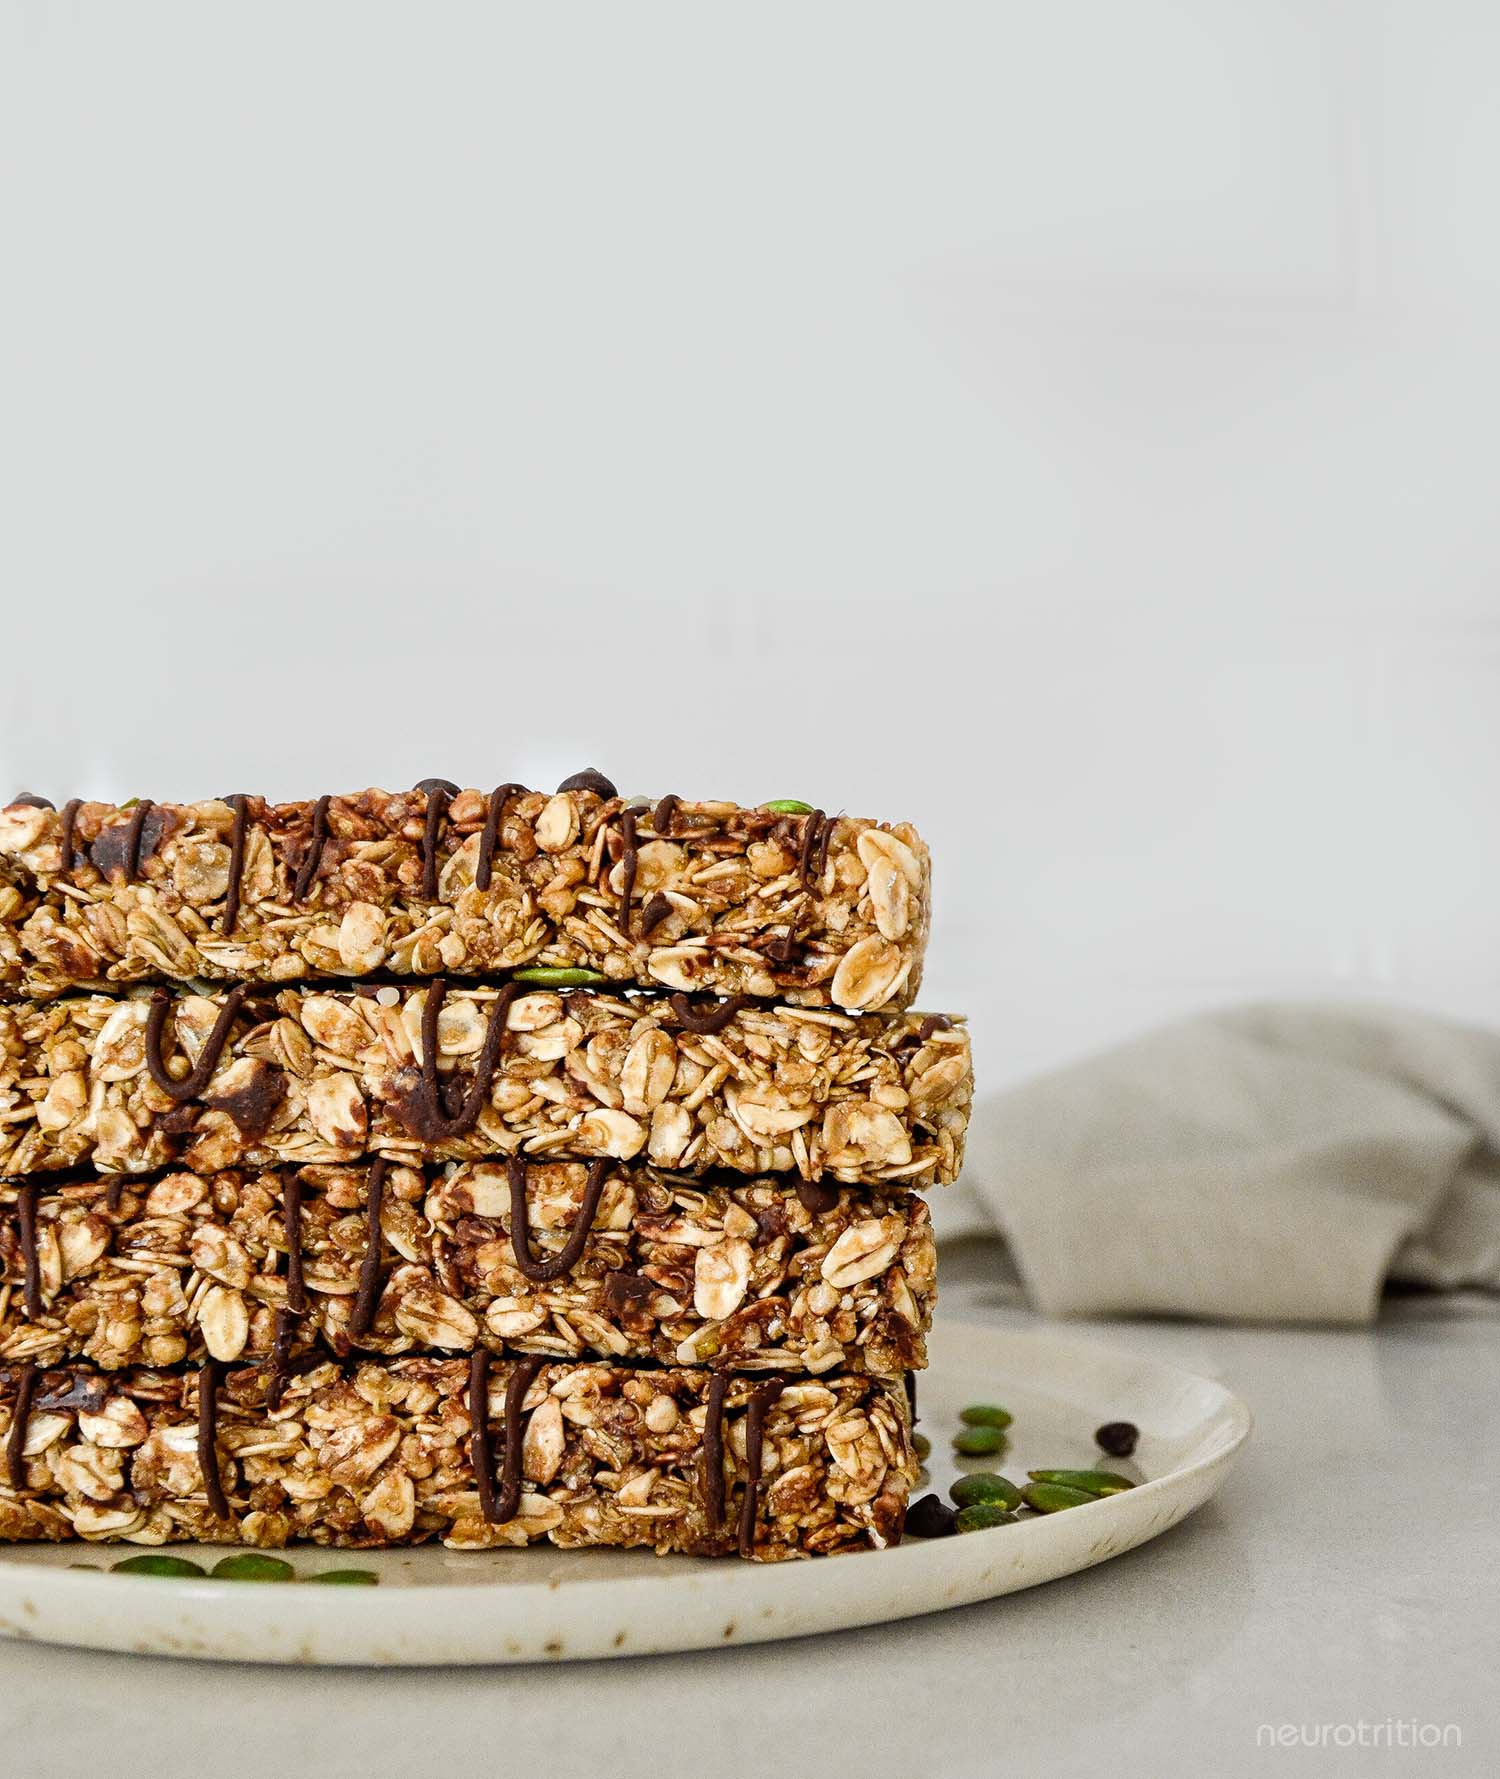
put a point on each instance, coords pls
(1070, 426)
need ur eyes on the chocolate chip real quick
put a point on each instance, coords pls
(931, 1517)
(1118, 1438)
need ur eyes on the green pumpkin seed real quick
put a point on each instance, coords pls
(1092, 1482)
(1054, 1497)
(155, 1563)
(979, 1442)
(250, 1565)
(985, 1414)
(788, 806)
(922, 1446)
(544, 976)
(985, 1489)
(347, 1578)
(981, 1515)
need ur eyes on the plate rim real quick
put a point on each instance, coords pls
(781, 1595)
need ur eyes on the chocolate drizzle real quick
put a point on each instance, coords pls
(208, 1430)
(817, 831)
(713, 1454)
(440, 792)
(20, 1414)
(424, 1114)
(755, 1437)
(66, 845)
(481, 1458)
(311, 859)
(497, 1510)
(783, 949)
(493, 817)
(542, 1272)
(133, 839)
(934, 1022)
(706, 1024)
(628, 861)
(280, 1367)
(657, 908)
(239, 804)
(363, 1313)
(193, 1083)
(713, 1449)
(114, 1192)
(665, 814)
(118, 848)
(32, 1261)
(30, 800)
(590, 779)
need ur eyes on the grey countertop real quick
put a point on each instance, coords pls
(1347, 1573)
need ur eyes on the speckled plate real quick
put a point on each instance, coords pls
(542, 1604)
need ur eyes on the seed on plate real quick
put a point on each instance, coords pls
(1054, 1497)
(788, 806)
(250, 1565)
(1092, 1482)
(985, 1414)
(1117, 1438)
(930, 1518)
(979, 1442)
(986, 1489)
(156, 1563)
(348, 1578)
(981, 1515)
(922, 1446)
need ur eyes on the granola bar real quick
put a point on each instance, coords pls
(386, 1452)
(566, 1259)
(691, 896)
(254, 1077)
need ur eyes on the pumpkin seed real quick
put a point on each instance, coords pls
(1054, 1497)
(545, 976)
(986, 1489)
(979, 1442)
(981, 1515)
(156, 1563)
(1092, 1482)
(251, 1565)
(985, 1414)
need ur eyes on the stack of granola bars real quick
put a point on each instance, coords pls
(484, 1167)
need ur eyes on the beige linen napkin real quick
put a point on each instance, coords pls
(1264, 1163)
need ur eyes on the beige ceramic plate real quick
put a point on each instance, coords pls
(543, 1604)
